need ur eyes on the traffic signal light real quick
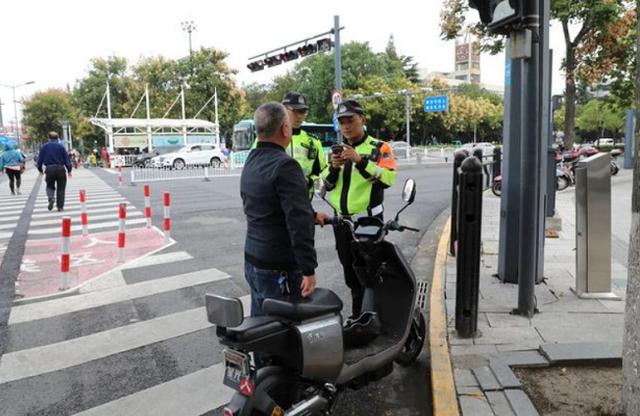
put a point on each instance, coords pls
(324, 45)
(256, 65)
(499, 15)
(273, 61)
(309, 49)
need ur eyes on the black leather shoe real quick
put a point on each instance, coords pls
(60, 209)
(50, 206)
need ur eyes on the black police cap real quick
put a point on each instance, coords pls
(349, 108)
(295, 100)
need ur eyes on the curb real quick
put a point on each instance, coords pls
(443, 390)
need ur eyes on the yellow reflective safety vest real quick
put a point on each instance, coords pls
(359, 188)
(307, 151)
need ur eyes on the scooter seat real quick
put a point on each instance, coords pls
(253, 328)
(321, 302)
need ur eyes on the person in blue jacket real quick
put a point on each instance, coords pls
(11, 162)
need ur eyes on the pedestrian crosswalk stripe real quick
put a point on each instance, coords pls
(61, 306)
(113, 215)
(74, 202)
(159, 259)
(12, 218)
(92, 226)
(89, 193)
(89, 206)
(58, 356)
(191, 395)
(76, 211)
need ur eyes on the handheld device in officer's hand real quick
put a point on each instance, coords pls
(336, 149)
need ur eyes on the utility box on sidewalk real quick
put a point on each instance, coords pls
(593, 228)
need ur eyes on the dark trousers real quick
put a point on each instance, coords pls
(343, 245)
(14, 176)
(264, 284)
(56, 179)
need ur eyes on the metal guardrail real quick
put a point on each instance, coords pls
(138, 174)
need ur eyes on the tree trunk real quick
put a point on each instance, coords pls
(570, 96)
(631, 349)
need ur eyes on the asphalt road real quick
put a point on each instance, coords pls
(208, 224)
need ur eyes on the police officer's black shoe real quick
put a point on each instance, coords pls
(50, 206)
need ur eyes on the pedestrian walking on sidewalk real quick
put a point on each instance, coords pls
(12, 162)
(280, 258)
(54, 158)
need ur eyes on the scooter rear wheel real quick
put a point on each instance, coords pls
(562, 183)
(415, 341)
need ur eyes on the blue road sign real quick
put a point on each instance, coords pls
(435, 104)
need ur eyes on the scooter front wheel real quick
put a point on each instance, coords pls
(497, 188)
(415, 341)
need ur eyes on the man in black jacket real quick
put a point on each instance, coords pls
(54, 157)
(280, 258)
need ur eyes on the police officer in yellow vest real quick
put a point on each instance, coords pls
(356, 179)
(304, 148)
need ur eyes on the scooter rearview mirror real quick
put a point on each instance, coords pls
(409, 191)
(408, 195)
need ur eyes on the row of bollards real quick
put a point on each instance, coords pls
(65, 259)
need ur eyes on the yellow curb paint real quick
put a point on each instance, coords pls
(443, 390)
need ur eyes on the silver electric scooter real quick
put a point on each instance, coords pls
(307, 354)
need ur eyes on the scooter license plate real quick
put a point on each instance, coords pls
(237, 368)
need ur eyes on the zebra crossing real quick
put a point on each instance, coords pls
(11, 206)
(144, 345)
(102, 208)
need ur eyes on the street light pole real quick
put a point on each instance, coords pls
(15, 105)
(189, 26)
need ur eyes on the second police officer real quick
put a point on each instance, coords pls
(360, 170)
(304, 148)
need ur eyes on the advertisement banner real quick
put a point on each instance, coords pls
(130, 141)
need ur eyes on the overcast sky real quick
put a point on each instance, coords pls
(51, 42)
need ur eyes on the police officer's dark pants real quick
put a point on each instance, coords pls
(343, 245)
(56, 179)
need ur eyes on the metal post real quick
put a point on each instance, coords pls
(469, 237)
(530, 160)
(1, 122)
(184, 116)
(337, 58)
(15, 112)
(551, 152)
(408, 116)
(110, 130)
(458, 158)
(148, 106)
(509, 242)
(215, 107)
(629, 127)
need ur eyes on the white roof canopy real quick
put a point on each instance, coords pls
(115, 123)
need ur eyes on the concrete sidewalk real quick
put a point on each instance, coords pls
(566, 329)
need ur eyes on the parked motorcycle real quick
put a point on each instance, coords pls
(307, 355)
(563, 180)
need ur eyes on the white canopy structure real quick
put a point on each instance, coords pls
(157, 132)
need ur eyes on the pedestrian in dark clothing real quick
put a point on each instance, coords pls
(55, 159)
(12, 162)
(280, 258)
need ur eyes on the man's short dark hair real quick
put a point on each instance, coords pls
(53, 135)
(269, 118)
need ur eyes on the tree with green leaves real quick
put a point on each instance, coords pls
(45, 111)
(593, 19)
(599, 119)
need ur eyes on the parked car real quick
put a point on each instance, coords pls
(198, 154)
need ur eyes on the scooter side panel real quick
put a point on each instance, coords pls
(322, 350)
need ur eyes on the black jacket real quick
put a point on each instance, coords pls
(280, 219)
